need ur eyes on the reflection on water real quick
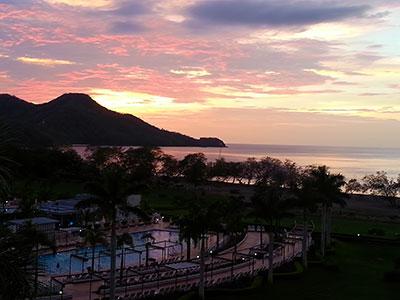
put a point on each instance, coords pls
(60, 263)
(353, 162)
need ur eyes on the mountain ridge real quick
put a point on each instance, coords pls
(76, 118)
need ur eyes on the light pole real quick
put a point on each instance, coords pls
(212, 263)
(51, 287)
(70, 258)
(126, 283)
(61, 292)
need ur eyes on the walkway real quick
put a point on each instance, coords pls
(182, 276)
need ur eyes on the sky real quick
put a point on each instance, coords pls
(312, 72)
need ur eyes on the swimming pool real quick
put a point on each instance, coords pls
(77, 261)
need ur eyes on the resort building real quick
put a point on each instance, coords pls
(64, 210)
(45, 225)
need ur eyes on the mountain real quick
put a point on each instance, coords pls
(78, 119)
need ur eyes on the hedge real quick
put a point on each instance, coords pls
(291, 275)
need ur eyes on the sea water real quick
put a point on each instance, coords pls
(353, 162)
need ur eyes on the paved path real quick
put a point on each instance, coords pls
(251, 264)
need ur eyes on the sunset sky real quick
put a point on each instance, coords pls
(313, 72)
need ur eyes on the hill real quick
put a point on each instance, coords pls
(78, 119)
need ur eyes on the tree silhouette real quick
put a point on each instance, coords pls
(204, 215)
(269, 205)
(94, 238)
(149, 239)
(110, 193)
(327, 188)
(35, 239)
(122, 240)
(305, 198)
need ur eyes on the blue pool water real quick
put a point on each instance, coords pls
(62, 261)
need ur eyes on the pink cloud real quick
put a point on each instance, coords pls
(7, 12)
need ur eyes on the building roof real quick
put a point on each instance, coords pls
(64, 206)
(35, 221)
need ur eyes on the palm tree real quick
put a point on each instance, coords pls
(305, 199)
(185, 235)
(6, 174)
(328, 190)
(122, 240)
(234, 209)
(110, 194)
(27, 207)
(17, 278)
(35, 239)
(94, 238)
(203, 216)
(149, 239)
(4, 194)
(5, 171)
(269, 205)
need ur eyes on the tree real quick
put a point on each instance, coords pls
(234, 210)
(327, 188)
(5, 162)
(185, 234)
(273, 172)
(94, 238)
(305, 199)
(220, 169)
(149, 239)
(235, 171)
(194, 168)
(169, 167)
(6, 173)
(353, 186)
(122, 240)
(34, 239)
(27, 207)
(204, 215)
(101, 157)
(250, 167)
(141, 163)
(17, 279)
(4, 194)
(110, 193)
(269, 205)
(380, 185)
(268, 172)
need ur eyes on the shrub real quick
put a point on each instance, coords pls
(299, 270)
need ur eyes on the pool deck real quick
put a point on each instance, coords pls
(251, 264)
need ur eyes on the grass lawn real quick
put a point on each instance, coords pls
(362, 227)
(48, 189)
(354, 227)
(361, 267)
(169, 201)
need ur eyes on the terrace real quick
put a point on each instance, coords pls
(170, 274)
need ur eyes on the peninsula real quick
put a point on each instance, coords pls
(78, 119)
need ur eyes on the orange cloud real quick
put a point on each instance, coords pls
(48, 62)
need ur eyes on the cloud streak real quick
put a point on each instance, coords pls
(329, 57)
(272, 13)
(48, 62)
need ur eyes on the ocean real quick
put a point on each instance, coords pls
(353, 162)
